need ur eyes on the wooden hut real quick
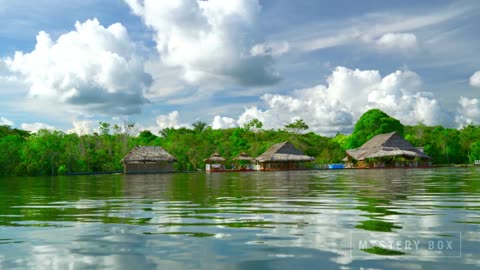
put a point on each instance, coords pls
(214, 163)
(386, 150)
(148, 159)
(243, 162)
(282, 156)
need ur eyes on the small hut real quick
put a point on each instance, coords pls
(243, 162)
(282, 156)
(148, 159)
(214, 163)
(386, 150)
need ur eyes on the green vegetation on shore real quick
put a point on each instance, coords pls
(54, 152)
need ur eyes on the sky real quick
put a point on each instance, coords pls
(68, 65)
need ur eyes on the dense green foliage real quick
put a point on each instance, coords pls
(372, 123)
(55, 152)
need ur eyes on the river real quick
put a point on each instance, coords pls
(341, 219)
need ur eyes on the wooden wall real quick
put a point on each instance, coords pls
(148, 167)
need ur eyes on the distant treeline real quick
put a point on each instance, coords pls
(55, 152)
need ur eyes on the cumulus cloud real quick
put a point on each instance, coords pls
(34, 127)
(92, 68)
(83, 127)
(335, 107)
(5, 122)
(223, 122)
(397, 42)
(475, 79)
(170, 120)
(468, 111)
(208, 40)
(6, 77)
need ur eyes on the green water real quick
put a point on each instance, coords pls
(252, 220)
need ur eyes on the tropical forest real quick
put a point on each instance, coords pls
(53, 152)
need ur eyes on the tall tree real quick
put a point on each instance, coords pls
(372, 123)
(297, 126)
(199, 126)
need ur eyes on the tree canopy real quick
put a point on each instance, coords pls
(372, 123)
(297, 126)
(49, 152)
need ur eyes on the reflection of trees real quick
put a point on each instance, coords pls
(59, 199)
(376, 190)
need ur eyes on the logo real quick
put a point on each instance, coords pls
(367, 244)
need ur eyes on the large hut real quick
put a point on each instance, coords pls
(282, 156)
(148, 159)
(215, 162)
(386, 150)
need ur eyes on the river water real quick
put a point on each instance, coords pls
(344, 219)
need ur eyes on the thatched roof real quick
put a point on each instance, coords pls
(386, 145)
(215, 157)
(148, 154)
(283, 152)
(243, 156)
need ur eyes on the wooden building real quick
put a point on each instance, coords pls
(214, 163)
(148, 159)
(282, 156)
(386, 150)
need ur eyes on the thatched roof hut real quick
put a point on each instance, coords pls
(243, 157)
(148, 159)
(283, 152)
(386, 145)
(148, 154)
(214, 158)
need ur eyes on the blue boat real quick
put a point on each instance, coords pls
(335, 166)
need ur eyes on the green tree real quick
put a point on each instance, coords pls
(297, 127)
(11, 146)
(372, 123)
(474, 154)
(104, 128)
(145, 137)
(199, 126)
(255, 125)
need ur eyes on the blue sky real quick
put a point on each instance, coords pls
(69, 64)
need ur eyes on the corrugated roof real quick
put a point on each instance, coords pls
(383, 145)
(284, 151)
(148, 154)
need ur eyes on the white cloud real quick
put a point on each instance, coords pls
(475, 79)
(365, 29)
(397, 42)
(6, 77)
(209, 40)
(163, 121)
(34, 127)
(270, 48)
(468, 112)
(349, 93)
(223, 122)
(5, 122)
(94, 69)
(171, 120)
(83, 127)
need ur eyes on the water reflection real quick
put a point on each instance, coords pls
(253, 220)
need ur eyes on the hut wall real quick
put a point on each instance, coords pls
(214, 167)
(273, 166)
(148, 167)
(389, 162)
